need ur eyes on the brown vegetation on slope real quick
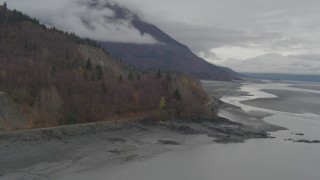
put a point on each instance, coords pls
(57, 78)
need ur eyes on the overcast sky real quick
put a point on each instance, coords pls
(214, 29)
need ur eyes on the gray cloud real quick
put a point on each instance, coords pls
(202, 38)
(285, 27)
(76, 16)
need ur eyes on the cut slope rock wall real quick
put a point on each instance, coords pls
(10, 117)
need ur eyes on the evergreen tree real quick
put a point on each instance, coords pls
(54, 69)
(168, 78)
(103, 87)
(92, 76)
(159, 74)
(130, 76)
(5, 5)
(88, 65)
(120, 78)
(177, 95)
(99, 72)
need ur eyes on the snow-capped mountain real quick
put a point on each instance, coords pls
(276, 63)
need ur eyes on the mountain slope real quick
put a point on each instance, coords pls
(57, 78)
(167, 54)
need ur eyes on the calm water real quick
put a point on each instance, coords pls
(257, 159)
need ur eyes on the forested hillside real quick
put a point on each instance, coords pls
(57, 78)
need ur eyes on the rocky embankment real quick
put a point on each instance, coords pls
(50, 152)
(10, 117)
(54, 152)
(221, 129)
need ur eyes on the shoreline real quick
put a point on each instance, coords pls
(253, 119)
(264, 106)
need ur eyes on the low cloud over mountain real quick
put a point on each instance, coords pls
(93, 19)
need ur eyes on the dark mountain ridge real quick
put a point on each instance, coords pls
(167, 55)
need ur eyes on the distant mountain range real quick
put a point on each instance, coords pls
(289, 77)
(167, 55)
(276, 63)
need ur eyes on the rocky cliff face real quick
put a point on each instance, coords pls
(10, 117)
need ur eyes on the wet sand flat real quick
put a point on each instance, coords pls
(288, 101)
(311, 86)
(252, 119)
